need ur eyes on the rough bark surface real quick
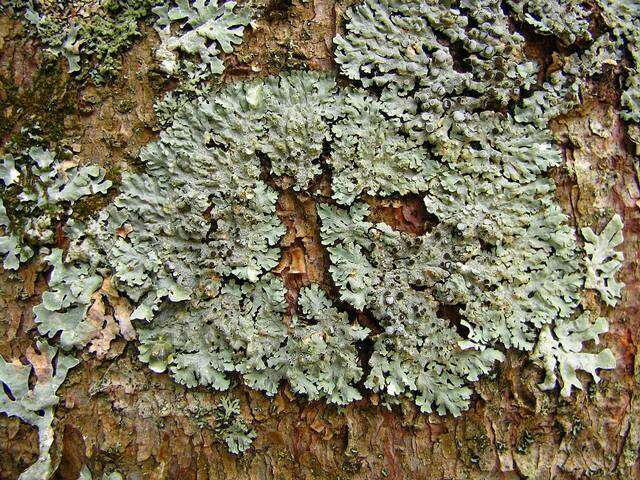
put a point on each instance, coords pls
(116, 414)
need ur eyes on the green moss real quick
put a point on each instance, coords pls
(37, 111)
(105, 38)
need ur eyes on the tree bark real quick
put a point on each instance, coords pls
(115, 414)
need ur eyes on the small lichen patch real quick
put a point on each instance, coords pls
(34, 405)
(90, 36)
(231, 426)
(603, 261)
(205, 28)
(38, 190)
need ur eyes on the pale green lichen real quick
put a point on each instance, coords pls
(603, 261)
(562, 352)
(35, 405)
(398, 45)
(569, 21)
(566, 19)
(320, 356)
(295, 124)
(65, 305)
(562, 90)
(623, 17)
(231, 426)
(192, 239)
(238, 329)
(90, 36)
(38, 191)
(370, 155)
(205, 28)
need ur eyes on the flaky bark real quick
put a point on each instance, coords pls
(117, 415)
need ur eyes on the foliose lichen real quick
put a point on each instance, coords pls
(566, 19)
(445, 105)
(91, 36)
(64, 306)
(622, 17)
(569, 21)
(231, 426)
(603, 261)
(205, 28)
(35, 405)
(562, 352)
(36, 192)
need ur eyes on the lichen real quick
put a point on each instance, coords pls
(64, 306)
(35, 405)
(205, 28)
(563, 352)
(370, 155)
(231, 426)
(37, 192)
(295, 124)
(320, 358)
(603, 261)
(405, 47)
(566, 19)
(446, 106)
(622, 18)
(91, 36)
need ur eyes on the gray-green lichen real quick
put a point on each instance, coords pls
(205, 28)
(562, 352)
(603, 261)
(566, 19)
(402, 48)
(444, 105)
(90, 35)
(64, 307)
(231, 426)
(320, 356)
(569, 21)
(35, 405)
(623, 17)
(36, 191)
(203, 234)
(371, 155)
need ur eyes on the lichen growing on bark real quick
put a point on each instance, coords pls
(444, 104)
(203, 234)
(34, 404)
(90, 35)
(38, 190)
(205, 29)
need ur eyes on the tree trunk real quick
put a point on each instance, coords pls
(115, 415)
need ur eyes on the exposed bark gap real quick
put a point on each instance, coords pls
(402, 213)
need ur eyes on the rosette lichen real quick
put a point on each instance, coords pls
(445, 106)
